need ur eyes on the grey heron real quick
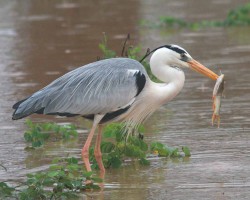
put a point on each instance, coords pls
(111, 90)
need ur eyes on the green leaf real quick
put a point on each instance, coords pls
(139, 143)
(107, 147)
(144, 161)
(27, 136)
(155, 146)
(5, 190)
(48, 181)
(115, 162)
(175, 152)
(55, 167)
(38, 143)
(141, 129)
(186, 151)
(29, 123)
(114, 130)
(104, 48)
(53, 173)
(56, 160)
(72, 160)
(164, 152)
(30, 175)
(97, 179)
(95, 187)
(87, 174)
(133, 151)
(73, 167)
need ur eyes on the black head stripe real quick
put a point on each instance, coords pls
(176, 49)
(173, 48)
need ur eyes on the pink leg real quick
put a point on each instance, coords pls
(98, 153)
(85, 149)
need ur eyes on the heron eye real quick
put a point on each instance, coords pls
(183, 57)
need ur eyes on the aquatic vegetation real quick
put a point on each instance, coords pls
(172, 22)
(116, 145)
(186, 151)
(239, 16)
(38, 133)
(65, 179)
(6, 190)
(116, 148)
(103, 46)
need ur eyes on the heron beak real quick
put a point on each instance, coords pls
(196, 66)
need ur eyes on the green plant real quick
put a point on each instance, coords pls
(172, 22)
(116, 148)
(166, 151)
(186, 151)
(5, 190)
(38, 133)
(103, 46)
(239, 16)
(64, 179)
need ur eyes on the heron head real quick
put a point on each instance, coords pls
(174, 55)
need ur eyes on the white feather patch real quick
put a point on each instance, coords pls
(132, 71)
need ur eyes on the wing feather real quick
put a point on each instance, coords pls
(100, 87)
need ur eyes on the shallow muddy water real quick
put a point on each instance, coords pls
(41, 40)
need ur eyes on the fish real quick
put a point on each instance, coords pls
(217, 94)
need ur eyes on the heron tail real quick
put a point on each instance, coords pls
(25, 108)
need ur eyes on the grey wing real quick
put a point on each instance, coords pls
(100, 87)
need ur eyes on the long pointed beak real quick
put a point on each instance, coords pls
(196, 66)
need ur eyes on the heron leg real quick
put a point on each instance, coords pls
(85, 149)
(97, 151)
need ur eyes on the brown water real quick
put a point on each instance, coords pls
(41, 40)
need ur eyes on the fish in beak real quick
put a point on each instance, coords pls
(196, 66)
(218, 89)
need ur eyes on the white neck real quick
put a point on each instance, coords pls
(174, 78)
